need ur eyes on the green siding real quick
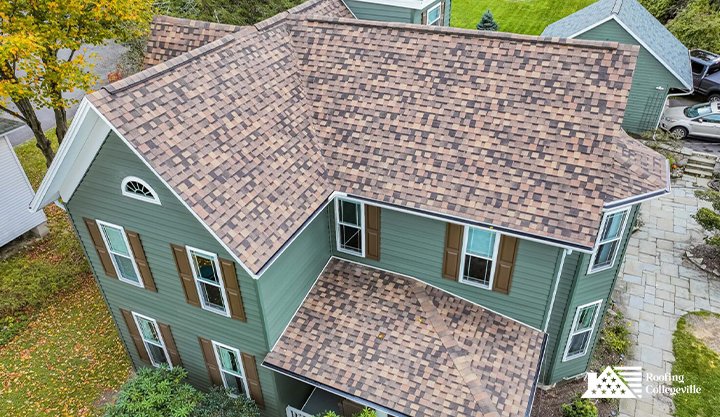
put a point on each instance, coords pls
(98, 196)
(413, 245)
(373, 11)
(284, 285)
(586, 289)
(645, 103)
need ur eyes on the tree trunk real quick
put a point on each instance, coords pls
(41, 141)
(60, 123)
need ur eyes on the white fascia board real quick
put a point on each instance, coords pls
(410, 4)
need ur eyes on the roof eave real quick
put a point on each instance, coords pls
(650, 195)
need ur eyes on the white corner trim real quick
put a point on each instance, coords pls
(154, 199)
(349, 9)
(565, 252)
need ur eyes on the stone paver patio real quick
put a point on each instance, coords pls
(658, 285)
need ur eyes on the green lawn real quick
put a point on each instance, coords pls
(701, 367)
(517, 16)
(59, 349)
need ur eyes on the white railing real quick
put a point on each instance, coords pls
(294, 412)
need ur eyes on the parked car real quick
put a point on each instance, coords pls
(701, 120)
(706, 73)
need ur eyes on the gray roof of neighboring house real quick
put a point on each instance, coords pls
(643, 25)
(8, 125)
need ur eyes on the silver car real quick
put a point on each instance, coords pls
(701, 120)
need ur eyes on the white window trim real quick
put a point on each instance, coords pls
(145, 342)
(338, 223)
(154, 199)
(440, 16)
(196, 277)
(606, 215)
(100, 224)
(461, 272)
(217, 345)
(574, 332)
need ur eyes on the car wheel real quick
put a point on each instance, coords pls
(679, 132)
(714, 97)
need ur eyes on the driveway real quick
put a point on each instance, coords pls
(658, 285)
(695, 144)
(107, 57)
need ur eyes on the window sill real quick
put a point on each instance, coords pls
(474, 284)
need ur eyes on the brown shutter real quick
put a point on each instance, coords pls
(232, 289)
(141, 260)
(211, 362)
(183, 267)
(372, 232)
(253, 381)
(505, 264)
(135, 335)
(170, 344)
(453, 249)
(99, 244)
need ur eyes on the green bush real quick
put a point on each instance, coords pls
(487, 22)
(709, 219)
(366, 412)
(580, 407)
(156, 392)
(616, 335)
(217, 403)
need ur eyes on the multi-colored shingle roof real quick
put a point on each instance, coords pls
(258, 128)
(409, 347)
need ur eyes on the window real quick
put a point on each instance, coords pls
(611, 233)
(209, 282)
(120, 253)
(582, 329)
(434, 15)
(478, 261)
(713, 118)
(138, 189)
(152, 339)
(350, 226)
(697, 67)
(231, 370)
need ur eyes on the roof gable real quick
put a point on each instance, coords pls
(639, 23)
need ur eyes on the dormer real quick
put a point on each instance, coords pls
(427, 12)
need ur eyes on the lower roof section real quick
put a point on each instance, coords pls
(408, 347)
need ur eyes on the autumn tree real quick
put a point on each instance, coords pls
(42, 57)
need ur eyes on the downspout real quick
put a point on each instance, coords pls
(557, 284)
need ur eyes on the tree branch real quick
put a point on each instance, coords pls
(13, 113)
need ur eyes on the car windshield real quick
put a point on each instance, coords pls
(698, 110)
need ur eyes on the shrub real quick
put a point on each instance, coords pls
(155, 392)
(580, 407)
(366, 412)
(217, 403)
(488, 22)
(708, 218)
(615, 334)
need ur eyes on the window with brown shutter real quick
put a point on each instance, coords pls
(372, 232)
(140, 260)
(253, 379)
(100, 248)
(186, 276)
(135, 335)
(210, 362)
(170, 344)
(232, 289)
(505, 264)
(453, 251)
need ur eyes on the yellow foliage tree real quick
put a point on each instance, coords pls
(42, 57)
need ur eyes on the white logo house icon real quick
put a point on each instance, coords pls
(620, 382)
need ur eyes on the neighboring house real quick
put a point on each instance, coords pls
(426, 12)
(327, 213)
(15, 219)
(663, 65)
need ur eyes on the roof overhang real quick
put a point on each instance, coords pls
(636, 199)
(377, 337)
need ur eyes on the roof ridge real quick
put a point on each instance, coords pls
(163, 18)
(617, 6)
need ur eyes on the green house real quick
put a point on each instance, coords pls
(428, 12)
(663, 66)
(323, 213)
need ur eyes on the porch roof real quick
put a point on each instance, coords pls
(407, 347)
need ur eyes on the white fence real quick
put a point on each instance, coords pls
(294, 412)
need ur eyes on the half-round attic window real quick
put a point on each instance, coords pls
(136, 188)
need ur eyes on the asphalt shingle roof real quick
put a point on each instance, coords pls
(409, 347)
(257, 129)
(671, 52)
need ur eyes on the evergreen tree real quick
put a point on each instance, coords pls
(487, 22)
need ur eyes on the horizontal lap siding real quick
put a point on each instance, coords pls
(99, 197)
(649, 74)
(413, 245)
(381, 12)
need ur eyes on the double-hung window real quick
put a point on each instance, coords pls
(208, 280)
(479, 253)
(434, 15)
(120, 253)
(350, 226)
(152, 339)
(611, 233)
(231, 370)
(582, 330)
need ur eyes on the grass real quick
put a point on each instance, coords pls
(518, 16)
(700, 366)
(59, 349)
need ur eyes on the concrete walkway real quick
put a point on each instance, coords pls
(658, 285)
